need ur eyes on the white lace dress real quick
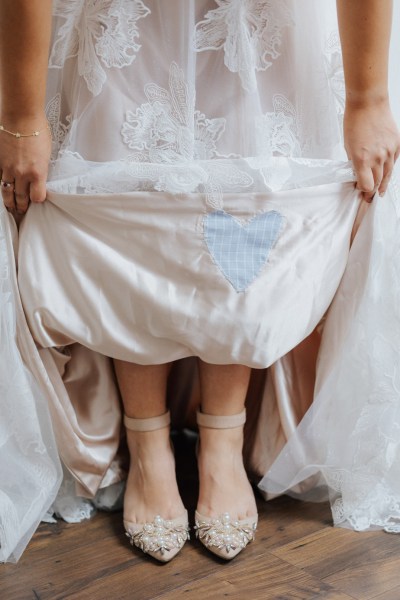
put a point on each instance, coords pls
(200, 204)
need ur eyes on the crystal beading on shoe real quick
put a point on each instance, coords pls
(159, 536)
(162, 538)
(225, 534)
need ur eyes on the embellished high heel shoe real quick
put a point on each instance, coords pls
(224, 536)
(161, 538)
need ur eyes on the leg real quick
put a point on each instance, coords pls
(224, 486)
(143, 388)
(151, 486)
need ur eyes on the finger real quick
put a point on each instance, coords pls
(21, 203)
(365, 181)
(387, 173)
(7, 190)
(377, 174)
(22, 196)
(378, 171)
(37, 191)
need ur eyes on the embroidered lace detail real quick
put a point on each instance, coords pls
(100, 33)
(379, 507)
(376, 447)
(29, 470)
(169, 130)
(74, 509)
(277, 131)
(71, 174)
(358, 461)
(335, 72)
(58, 128)
(249, 31)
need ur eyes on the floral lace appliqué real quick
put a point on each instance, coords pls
(168, 130)
(249, 31)
(335, 73)
(58, 128)
(277, 131)
(100, 33)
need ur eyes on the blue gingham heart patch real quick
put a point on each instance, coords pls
(240, 251)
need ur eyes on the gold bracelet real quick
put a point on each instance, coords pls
(17, 134)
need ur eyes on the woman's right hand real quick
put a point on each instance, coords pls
(372, 142)
(24, 162)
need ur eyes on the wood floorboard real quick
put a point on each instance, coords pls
(332, 595)
(297, 555)
(393, 594)
(330, 551)
(263, 577)
(365, 583)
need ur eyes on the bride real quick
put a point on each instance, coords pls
(197, 204)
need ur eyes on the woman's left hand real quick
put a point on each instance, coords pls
(372, 143)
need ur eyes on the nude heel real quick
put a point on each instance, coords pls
(224, 536)
(162, 538)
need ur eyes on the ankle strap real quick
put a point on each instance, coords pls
(221, 422)
(151, 424)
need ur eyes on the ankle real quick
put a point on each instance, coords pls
(149, 442)
(218, 440)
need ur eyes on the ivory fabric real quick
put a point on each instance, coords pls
(142, 279)
(200, 204)
(346, 447)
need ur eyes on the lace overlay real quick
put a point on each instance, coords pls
(277, 131)
(29, 468)
(358, 462)
(249, 31)
(168, 129)
(100, 33)
(74, 509)
(58, 127)
(335, 73)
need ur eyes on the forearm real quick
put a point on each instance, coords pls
(25, 29)
(365, 27)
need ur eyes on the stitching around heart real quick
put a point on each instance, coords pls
(240, 251)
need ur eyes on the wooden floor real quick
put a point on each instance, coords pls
(297, 554)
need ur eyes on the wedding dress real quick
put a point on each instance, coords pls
(200, 204)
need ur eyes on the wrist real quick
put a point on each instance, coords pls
(24, 124)
(17, 117)
(356, 99)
